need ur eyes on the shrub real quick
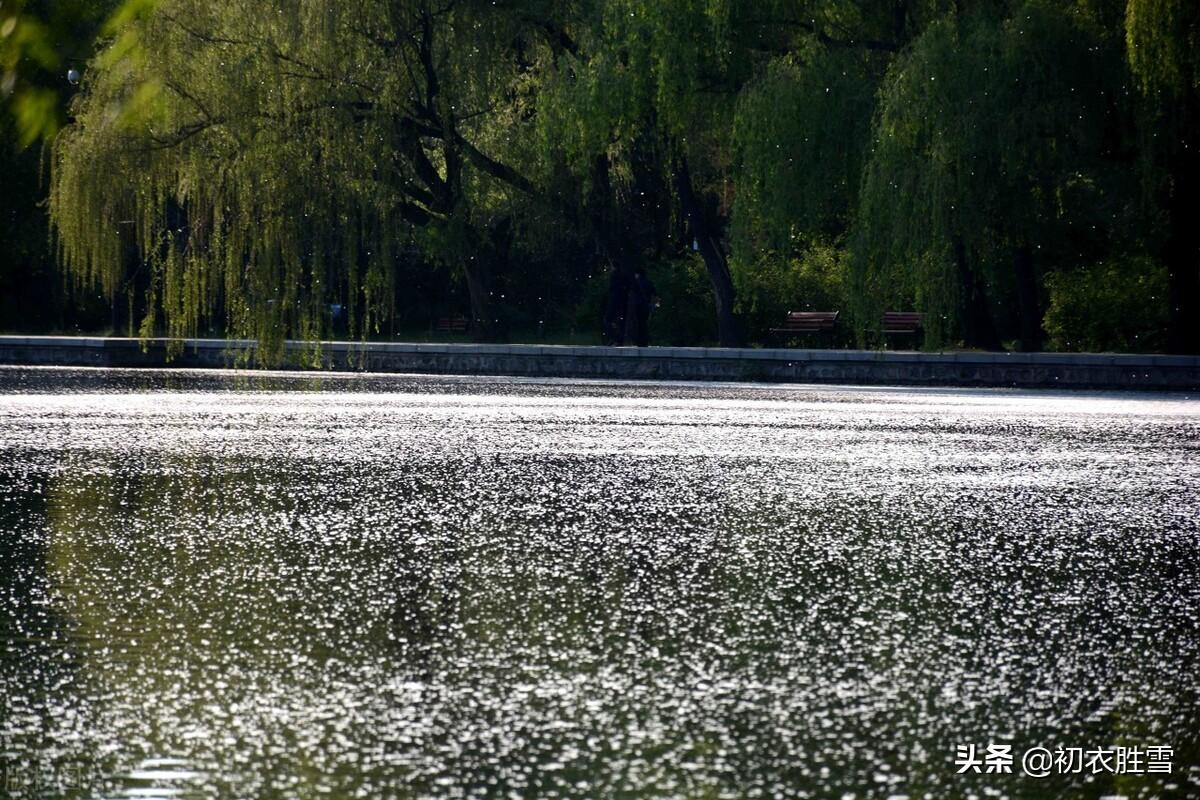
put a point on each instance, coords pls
(687, 315)
(773, 285)
(1119, 304)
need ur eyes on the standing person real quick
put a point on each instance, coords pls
(615, 308)
(643, 295)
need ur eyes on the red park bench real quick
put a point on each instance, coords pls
(801, 322)
(453, 324)
(900, 322)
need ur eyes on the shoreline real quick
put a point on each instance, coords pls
(1091, 371)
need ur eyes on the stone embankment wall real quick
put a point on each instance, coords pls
(1020, 370)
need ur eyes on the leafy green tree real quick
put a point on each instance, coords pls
(248, 165)
(1163, 39)
(634, 110)
(988, 148)
(40, 41)
(267, 160)
(803, 124)
(1114, 305)
(802, 134)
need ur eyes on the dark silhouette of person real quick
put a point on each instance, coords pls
(619, 285)
(641, 295)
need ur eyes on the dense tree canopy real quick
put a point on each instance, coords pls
(991, 146)
(266, 163)
(40, 40)
(297, 168)
(1164, 52)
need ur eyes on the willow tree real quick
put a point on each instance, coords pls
(25, 38)
(986, 142)
(264, 160)
(638, 108)
(40, 40)
(1163, 39)
(803, 125)
(802, 133)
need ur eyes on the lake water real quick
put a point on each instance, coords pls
(243, 585)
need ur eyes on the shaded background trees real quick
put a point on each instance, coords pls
(39, 41)
(998, 155)
(1163, 37)
(1021, 171)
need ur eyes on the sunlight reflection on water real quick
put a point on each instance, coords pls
(237, 584)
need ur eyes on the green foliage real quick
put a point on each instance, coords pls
(636, 65)
(39, 40)
(801, 133)
(772, 285)
(268, 160)
(984, 143)
(1119, 304)
(238, 166)
(1164, 44)
(685, 314)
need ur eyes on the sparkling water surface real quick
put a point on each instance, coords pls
(248, 585)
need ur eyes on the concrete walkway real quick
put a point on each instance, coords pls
(1023, 370)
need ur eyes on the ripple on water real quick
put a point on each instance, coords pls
(378, 586)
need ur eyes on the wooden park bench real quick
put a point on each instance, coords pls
(900, 322)
(453, 324)
(799, 322)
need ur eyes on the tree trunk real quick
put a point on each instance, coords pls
(728, 329)
(1181, 251)
(1183, 265)
(475, 269)
(618, 249)
(978, 328)
(1029, 310)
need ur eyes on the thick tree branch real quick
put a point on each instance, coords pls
(811, 27)
(489, 165)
